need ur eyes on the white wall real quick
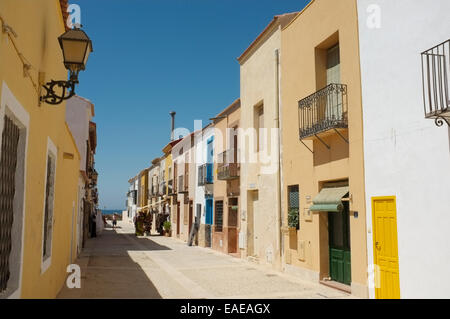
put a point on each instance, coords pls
(406, 155)
(78, 115)
(200, 158)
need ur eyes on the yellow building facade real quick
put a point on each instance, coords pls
(44, 183)
(322, 147)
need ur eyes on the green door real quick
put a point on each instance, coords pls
(339, 243)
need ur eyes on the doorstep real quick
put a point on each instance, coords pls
(336, 285)
(235, 255)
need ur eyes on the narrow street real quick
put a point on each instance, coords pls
(117, 264)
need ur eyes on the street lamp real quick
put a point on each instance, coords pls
(76, 48)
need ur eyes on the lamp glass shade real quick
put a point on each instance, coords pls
(76, 47)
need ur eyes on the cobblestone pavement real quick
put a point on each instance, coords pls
(117, 264)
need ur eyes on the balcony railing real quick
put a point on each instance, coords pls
(228, 171)
(227, 168)
(324, 110)
(205, 174)
(435, 72)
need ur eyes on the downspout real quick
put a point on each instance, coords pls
(279, 173)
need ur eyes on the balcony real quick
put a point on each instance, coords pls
(205, 174)
(323, 111)
(435, 71)
(227, 169)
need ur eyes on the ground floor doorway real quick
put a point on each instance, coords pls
(339, 245)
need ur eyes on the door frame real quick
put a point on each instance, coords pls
(373, 200)
(346, 240)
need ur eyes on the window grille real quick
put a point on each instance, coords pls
(48, 213)
(218, 220)
(293, 206)
(8, 163)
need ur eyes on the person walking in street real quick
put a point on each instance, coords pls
(114, 221)
(94, 225)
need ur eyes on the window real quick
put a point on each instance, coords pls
(8, 162)
(48, 206)
(14, 123)
(293, 207)
(218, 216)
(259, 124)
(198, 214)
(333, 65)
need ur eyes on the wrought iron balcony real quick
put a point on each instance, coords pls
(436, 90)
(323, 111)
(205, 174)
(228, 171)
(228, 168)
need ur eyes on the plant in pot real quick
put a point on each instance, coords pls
(167, 226)
(293, 219)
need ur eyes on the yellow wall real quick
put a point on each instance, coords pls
(259, 192)
(311, 27)
(144, 188)
(38, 24)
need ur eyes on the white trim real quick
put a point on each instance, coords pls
(52, 151)
(11, 106)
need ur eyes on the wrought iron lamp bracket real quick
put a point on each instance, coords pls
(440, 121)
(67, 87)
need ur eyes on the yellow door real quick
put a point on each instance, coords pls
(385, 247)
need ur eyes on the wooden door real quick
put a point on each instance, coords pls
(385, 247)
(190, 215)
(339, 243)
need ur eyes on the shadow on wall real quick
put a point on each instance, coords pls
(339, 149)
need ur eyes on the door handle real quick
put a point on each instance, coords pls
(377, 245)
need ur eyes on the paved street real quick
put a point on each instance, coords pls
(117, 264)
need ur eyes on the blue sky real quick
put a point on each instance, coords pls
(154, 56)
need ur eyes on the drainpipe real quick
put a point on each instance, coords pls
(172, 137)
(280, 238)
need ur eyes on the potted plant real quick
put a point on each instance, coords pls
(167, 225)
(293, 219)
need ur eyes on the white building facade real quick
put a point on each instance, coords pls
(204, 202)
(406, 156)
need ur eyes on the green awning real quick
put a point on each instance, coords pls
(329, 199)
